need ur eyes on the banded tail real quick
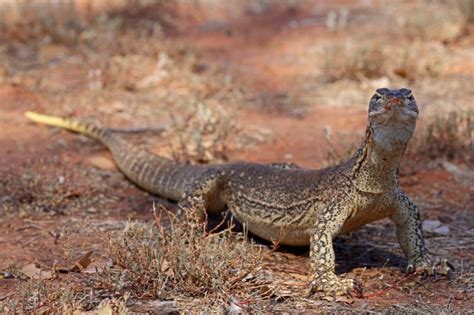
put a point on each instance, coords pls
(155, 174)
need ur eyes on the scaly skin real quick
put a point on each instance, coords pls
(295, 206)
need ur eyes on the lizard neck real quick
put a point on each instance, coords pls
(377, 164)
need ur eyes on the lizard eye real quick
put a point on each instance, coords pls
(407, 93)
(377, 96)
(382, 92)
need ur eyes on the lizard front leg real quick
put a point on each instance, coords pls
(409, 234)
(322, 255)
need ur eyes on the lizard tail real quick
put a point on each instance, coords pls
(87, 129)
(155, 174)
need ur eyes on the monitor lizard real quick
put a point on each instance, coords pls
(289, 204)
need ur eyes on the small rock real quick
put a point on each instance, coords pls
(435, 226)
(91, 210)
(443, 229)
(237, 307)
(36, 273)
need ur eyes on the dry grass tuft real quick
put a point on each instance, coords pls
(375, 60)
(183, 262)
(359, 63)
(435, 22)
(448, 136)
(466, 8)
(408, 65)
(341, 148)
(39, 297)
(203, 135)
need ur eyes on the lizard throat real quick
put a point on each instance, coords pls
(377, 162)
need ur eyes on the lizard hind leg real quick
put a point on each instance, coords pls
(203, 196)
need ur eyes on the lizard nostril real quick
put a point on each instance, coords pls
(394, 101)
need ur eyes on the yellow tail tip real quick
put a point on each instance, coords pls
(47, 120)
(32, 115)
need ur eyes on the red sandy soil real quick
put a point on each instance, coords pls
(254, 55)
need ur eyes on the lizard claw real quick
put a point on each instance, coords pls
(331, 285)
(445, 268)
(425, 266)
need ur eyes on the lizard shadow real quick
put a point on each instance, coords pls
(350, 254)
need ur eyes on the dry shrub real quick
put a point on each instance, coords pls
(341, 148)
(359, 63)
(26, 21)
(201, 136)
(369, 61)
(38, 297)
(434, 22)
(466, 8)
(182, 262)
(448, 135)
(408, 64)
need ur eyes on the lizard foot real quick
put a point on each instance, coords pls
(426, 266)
(330, 284)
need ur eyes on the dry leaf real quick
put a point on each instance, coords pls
(82, 263)
(36, 273)
(104, 308)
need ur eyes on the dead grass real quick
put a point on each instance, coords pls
(466, 8)
(353, 63)
(202, 136)
(374, 60)
(204, 270)
(448, 136)
(27, 22)
(200, 270)
(408, 65)
(435, 21)
(341, 149)
(39, 297)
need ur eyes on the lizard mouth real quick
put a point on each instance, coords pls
(402, 112)
(394, 109)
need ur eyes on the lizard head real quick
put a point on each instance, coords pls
(392, 117)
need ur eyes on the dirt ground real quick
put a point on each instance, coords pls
(276, 81)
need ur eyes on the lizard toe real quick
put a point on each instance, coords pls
(426, 266)
(332, 286)
(445, 268)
